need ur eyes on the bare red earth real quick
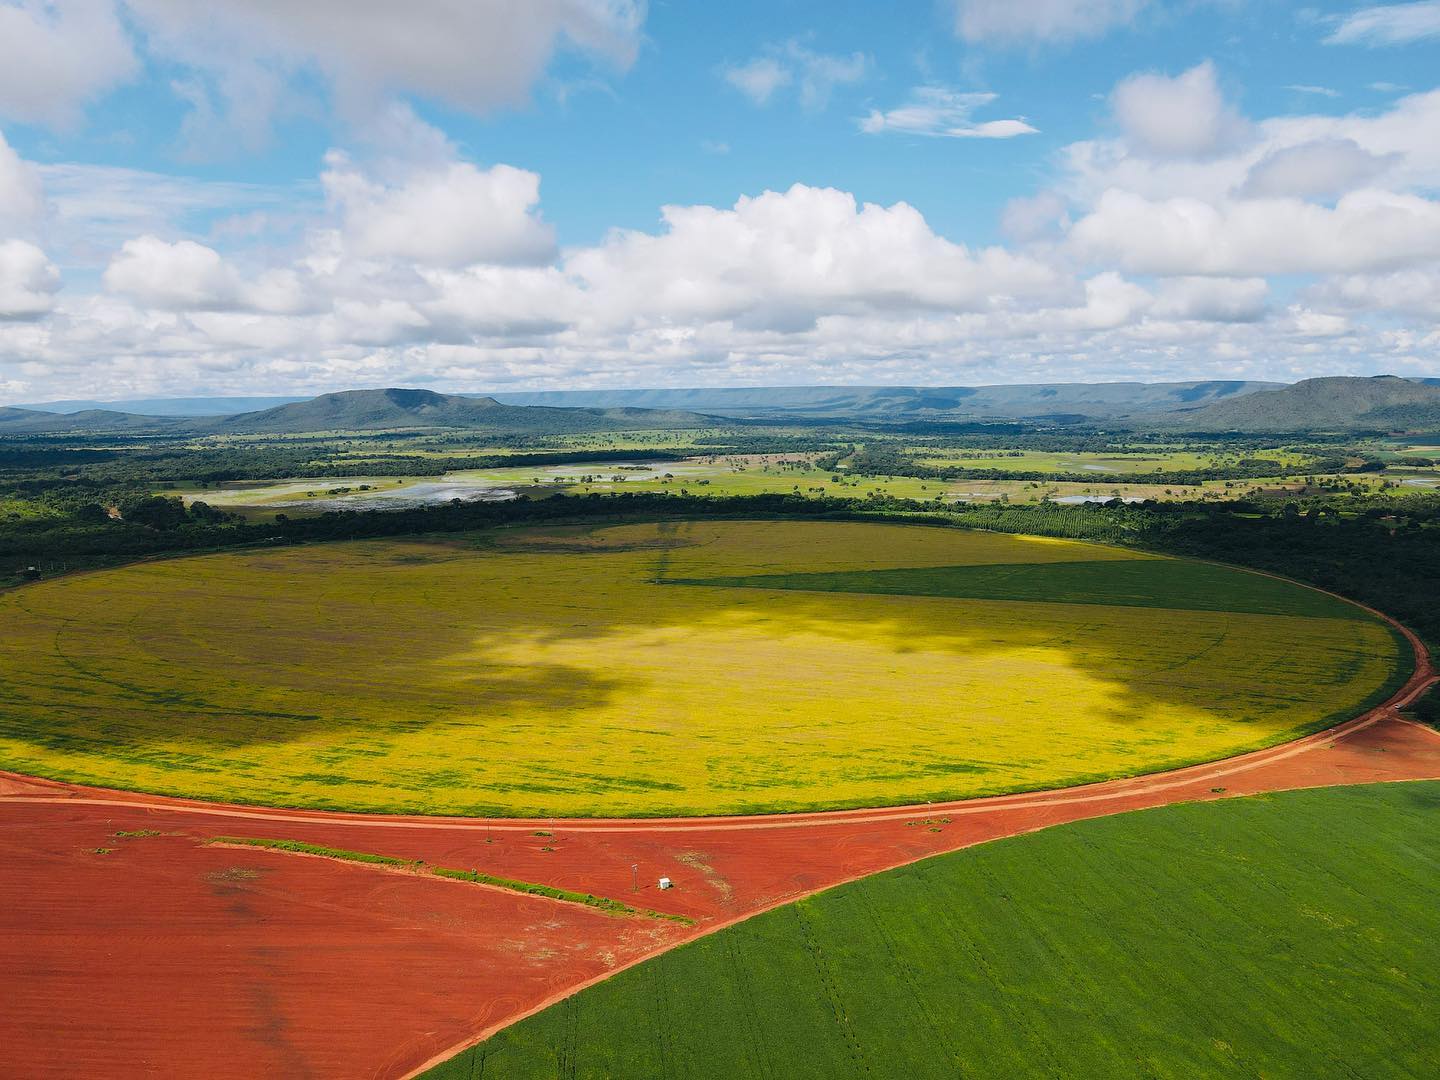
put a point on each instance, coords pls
(165, 957)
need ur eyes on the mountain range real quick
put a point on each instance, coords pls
(359, 410)
(1377, 403)
(385, 410)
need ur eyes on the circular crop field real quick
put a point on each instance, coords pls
(674, 668)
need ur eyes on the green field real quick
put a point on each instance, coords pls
(739, 475)
(573, 671)
(1069, 462)
(1285, 936)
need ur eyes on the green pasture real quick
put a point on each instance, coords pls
(1286, 937)
(1102, 464)
(1164, 583)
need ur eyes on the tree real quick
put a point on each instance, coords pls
(156, 512)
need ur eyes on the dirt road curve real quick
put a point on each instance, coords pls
(153, 955)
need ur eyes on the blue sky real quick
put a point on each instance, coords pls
(254, 199)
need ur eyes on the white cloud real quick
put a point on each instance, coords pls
(814, 74)
(451, 215)
(28, 281)
(759, 79)
(1035, 217)
(1365, 230)
(1010, 22)
(474, 55)
(1401, 136)
(1389, 24)
(247, 59)
(941, 111)
(189, 277)
(179, 276)
(1184, 116)
(1414, 293)
(783, 259)
(1316, 91)
(21, 194)
(1213, 299)
(1318, 168)
(407, 263)
(57, 55)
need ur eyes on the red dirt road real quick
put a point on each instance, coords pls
(164, 957)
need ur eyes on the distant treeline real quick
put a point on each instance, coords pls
(67, 478)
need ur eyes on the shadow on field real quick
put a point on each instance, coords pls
(330, 651)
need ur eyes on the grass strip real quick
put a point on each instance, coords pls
(419, 866)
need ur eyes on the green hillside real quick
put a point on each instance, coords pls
(400, 409)
(1333, 404)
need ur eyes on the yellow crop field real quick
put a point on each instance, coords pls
(705, 667)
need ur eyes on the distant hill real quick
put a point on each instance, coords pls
(1332, 404)
(400, 409)
(191, 406)
(34, 422)
(876, 402)
(1341, 403)
(1062, 401)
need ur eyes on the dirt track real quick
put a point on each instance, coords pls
(163, 957)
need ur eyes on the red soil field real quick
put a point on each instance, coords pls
(165, 957)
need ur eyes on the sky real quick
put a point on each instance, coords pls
(260, 196)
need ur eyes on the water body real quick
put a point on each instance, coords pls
(467, 486)
(1073, 500)
(426, 493)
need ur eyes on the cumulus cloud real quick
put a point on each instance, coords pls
(1412, 292)
(1184, 116)
(1389, 24)
(179, 276)
(476, 55)
(782, 259)
(21, 195)
(185, 276)
(243, 58)
(57, 55)
(1364, 230)
(1010, 22)
(1213, 299)
(815, 75)
(1034, 217)
(405, 262)
(1401, 136)
(28, 281)
(943, 112)
(1317, 168)
(450, 215)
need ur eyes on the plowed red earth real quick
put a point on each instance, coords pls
(166, 957)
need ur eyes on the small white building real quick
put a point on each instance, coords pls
(665, 883)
